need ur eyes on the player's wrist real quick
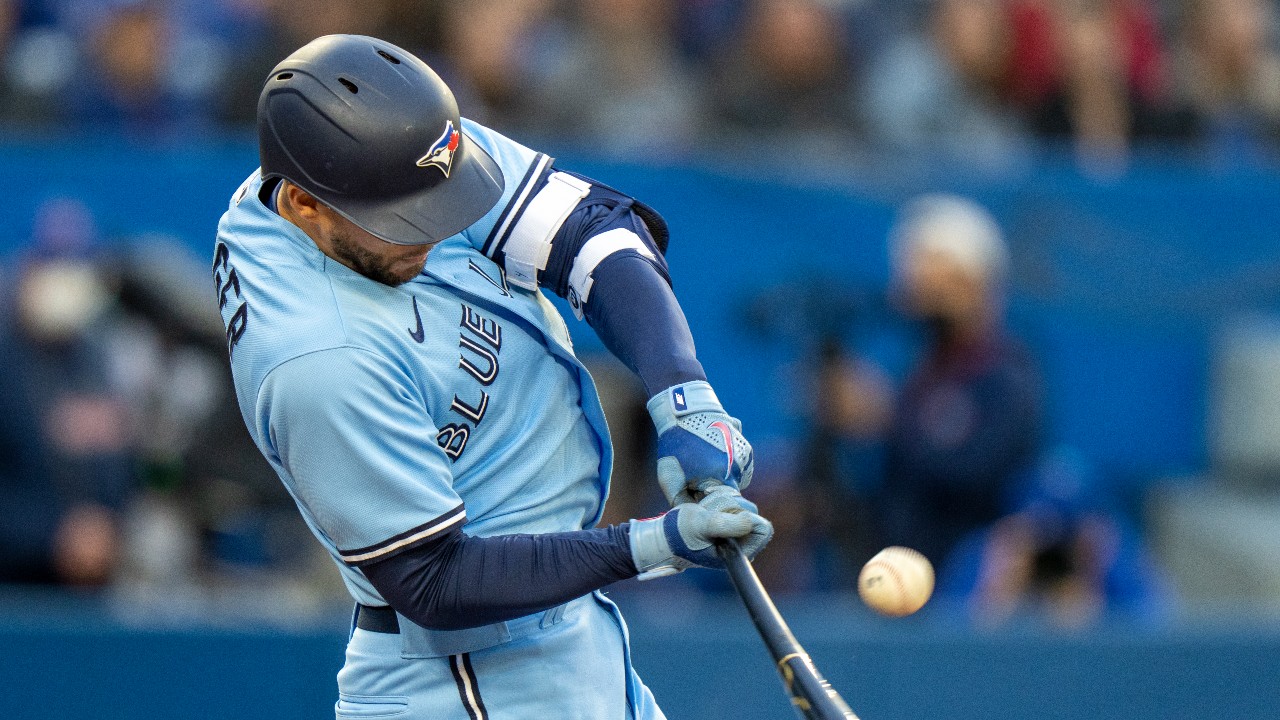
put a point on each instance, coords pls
(651, 548)
(668, 370)
(667, 407)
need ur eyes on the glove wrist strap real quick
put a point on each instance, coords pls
(667, 407)
(649, 546)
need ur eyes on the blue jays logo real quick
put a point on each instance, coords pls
(441, 153)
(677, 399)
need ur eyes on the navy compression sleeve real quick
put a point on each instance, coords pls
(458, 581)
(635, 313)
(631, 307)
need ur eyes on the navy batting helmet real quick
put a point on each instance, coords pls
(372, 132)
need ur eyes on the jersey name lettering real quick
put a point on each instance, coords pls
(487, 330)
(452, 438)
(480, 341)
(502, 287)
(474, 414)
(226, 283)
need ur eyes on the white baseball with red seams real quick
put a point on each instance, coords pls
(896, 582)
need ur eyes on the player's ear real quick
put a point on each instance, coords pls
(303, 203)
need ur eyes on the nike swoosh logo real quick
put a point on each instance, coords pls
(418, 335)
(728, 445)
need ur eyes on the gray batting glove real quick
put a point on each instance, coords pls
(699, 445)
(685, 536)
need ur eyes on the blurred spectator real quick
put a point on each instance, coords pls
(851, 409)
(126, 83)
(30, 510)
(495, 54)
(818, 490)
(1230, 73)
(785, 81)
(289, 24)
(1094, 71)
(939, 90)
(211, 506)
(1064, 555)
(132, 467)
(60, 314)
(29, 69)
(969, 416)
(618, 83)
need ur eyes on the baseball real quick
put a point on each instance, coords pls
(896, 582)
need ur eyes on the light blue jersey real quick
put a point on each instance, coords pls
(394, 415)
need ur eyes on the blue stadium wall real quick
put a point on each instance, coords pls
(707, 664)
(1120, 287)
(1119, 283)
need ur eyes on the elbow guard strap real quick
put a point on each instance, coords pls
(529, 244)
(599, 247)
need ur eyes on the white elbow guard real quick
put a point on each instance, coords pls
(529, 244)
(592, 254)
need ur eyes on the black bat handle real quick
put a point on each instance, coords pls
(811, 695)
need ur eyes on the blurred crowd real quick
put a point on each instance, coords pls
(952, 455)
(124, 460)
(124, 464)
(126, 467)
(981, 80)
(957, 458)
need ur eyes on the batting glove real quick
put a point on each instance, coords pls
(699, 446)
(685, 536)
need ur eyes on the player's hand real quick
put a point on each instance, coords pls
(685, 536)
(699, 445)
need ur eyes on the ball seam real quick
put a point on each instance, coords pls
(903, 601)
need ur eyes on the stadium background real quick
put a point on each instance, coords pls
(779, 139)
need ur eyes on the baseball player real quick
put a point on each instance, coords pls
(397, 364)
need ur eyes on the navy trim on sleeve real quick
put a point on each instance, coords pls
(534, 178)
(406, 540)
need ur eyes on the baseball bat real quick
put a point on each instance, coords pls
(811, 695)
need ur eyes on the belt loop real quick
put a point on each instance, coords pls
(379, 619)
(552, 617)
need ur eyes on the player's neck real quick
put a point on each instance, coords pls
(282, 205)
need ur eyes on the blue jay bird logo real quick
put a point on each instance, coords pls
(441, 153)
